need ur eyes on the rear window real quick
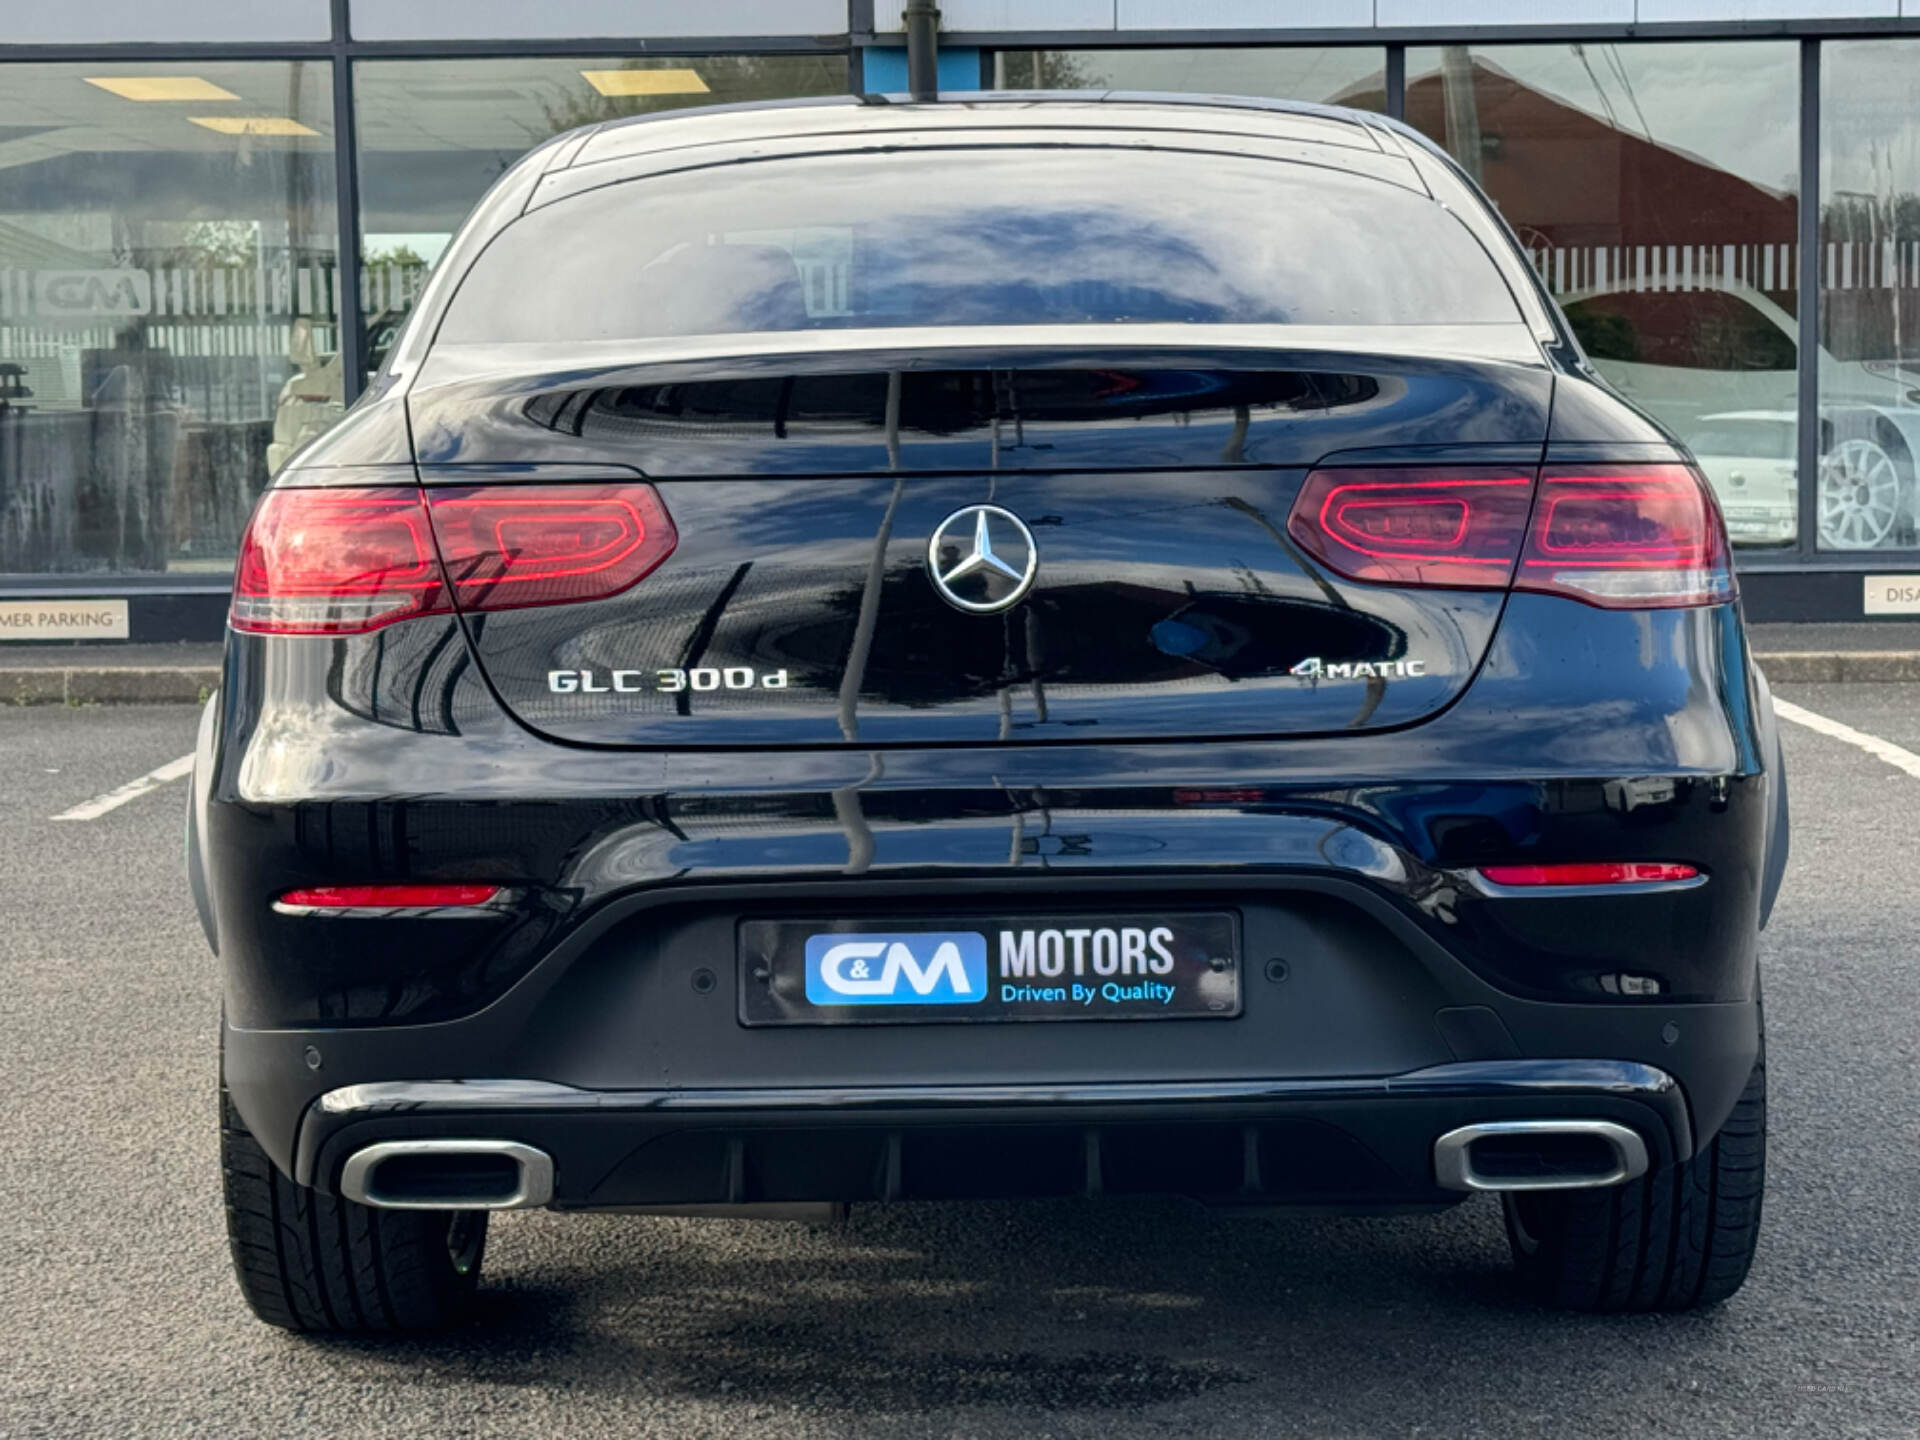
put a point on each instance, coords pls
(1014, 236)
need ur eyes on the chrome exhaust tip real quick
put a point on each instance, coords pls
(1538, 1155)
(449, 1175)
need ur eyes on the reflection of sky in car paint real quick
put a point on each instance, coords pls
(1731, 104)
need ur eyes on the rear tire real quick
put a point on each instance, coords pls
(319, 1264)
(1675, 1239)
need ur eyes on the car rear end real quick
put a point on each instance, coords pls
(1748, 459)
(1144, 666)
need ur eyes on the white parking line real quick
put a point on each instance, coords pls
(1880, 749)
(132, 790)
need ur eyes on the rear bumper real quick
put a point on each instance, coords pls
(616, 975)
(1350, 1143)
(635, 1076)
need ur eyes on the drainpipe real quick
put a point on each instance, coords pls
(923, 49)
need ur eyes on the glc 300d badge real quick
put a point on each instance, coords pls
(982, 559)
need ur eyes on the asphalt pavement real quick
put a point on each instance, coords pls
(118, 1316)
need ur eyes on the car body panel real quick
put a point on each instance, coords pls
(781, 473)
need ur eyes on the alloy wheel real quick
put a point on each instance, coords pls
(1860, 493)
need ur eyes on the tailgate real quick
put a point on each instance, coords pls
(826, 588)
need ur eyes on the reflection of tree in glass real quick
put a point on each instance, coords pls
(1050, 70)
(1696, 330)
(212, 244)
(1602, 335)
(1856, 217)
(1729, 338)
(1873, 317)
(402, 255)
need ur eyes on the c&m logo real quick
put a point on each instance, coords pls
(61, 293)
(925, 969)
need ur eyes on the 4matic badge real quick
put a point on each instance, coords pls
(1314, 668)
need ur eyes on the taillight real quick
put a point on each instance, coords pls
(1631, 537)
(1460, 529)
(343, 561)
(516, 545)
(319, 562)
(1625, 537)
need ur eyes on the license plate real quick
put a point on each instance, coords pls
(1163, 966)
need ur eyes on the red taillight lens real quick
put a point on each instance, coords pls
(1591, 872)
(1632, 537)
(512, 546)
(388, 897)
(1459, 529)
(344, 561)
(1639, 537)
(318, 562)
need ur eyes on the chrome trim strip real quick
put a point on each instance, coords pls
(1521, 1077)
(502, 903)
(1453, 1155)
(535, 1187)
(386, 1097)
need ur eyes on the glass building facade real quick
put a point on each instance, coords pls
(214, 216)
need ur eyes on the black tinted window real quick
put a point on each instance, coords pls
(985, 237)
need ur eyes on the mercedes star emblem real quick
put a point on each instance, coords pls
(982, 558)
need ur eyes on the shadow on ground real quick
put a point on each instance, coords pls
(1065, 1306)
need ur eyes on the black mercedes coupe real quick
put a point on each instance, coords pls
(1060, 645)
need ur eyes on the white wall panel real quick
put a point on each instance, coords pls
(1468, 13)
(108, 22)
(1655, 11)
(1245, 14)
(575, 19)
(1005, 15)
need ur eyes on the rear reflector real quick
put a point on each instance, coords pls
(1621, 537)
(348, 560)
(388, 897)
(1591, 872)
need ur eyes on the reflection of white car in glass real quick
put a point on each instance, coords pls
(1743, 367)
(309, 402)
(316, 395)
(1748, 458)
